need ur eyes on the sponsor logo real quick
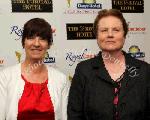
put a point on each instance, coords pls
(15, 30)
(129, 6)
(80, 31)
(134, 51)
(89, 4)
(49, 59)
(136, 29)
(18, 56)
(72, 57)
(32, 6)
(86, 7)
(74, 11)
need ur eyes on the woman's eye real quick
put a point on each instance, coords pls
(103, 30)
(116, 30)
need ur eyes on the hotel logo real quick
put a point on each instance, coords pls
(129, 6)
(80, 31)
(32, 6)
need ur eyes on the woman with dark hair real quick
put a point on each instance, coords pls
(32, 90)
(113, 85)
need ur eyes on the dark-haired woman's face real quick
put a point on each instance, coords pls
(35, 48)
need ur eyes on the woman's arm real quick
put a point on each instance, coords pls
(3, 93)
(75, 109)
(146, 115)
(148, 92)
(64, 101)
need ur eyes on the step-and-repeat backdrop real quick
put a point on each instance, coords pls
(73, 39)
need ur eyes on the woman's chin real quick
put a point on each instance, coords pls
(36, 58)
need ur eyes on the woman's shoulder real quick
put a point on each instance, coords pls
(55, 71)
(57, 77)
(9, 69)
(88, 64)
(7, 73)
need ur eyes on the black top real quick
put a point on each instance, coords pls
(91, 93)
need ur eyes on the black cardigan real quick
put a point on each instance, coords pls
(91, 93)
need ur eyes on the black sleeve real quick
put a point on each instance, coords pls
(147, 112)
(75, 101)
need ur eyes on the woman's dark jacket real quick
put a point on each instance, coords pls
(92, 91)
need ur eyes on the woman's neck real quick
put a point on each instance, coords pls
(33, 66)
(112, 57)
(114, 63)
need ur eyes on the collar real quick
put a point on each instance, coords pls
(132, 66)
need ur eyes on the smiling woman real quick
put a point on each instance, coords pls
(32, 90)
(35, 48)
(36, 40)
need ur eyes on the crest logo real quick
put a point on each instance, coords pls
(69, 3)
(134, 51)
(18, 56)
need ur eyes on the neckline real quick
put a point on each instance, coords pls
(26, 81)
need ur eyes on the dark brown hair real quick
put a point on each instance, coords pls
(110, 12)
(37, 27)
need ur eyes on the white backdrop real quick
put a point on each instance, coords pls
(65, 54)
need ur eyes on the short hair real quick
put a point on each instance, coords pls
(111, 12)
(37, 27)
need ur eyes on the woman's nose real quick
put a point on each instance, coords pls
(110, 32)
(36, 42)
